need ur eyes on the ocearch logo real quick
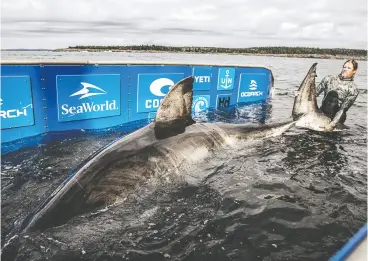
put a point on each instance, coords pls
(14, 113)
(252, 86)
(156, 89)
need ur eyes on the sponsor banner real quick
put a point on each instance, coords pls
(16, 105)
(151, 116)
(223, 101)
(202, 79)
(200, 103)
(226, 79)
(152, 88)
(252, 87)
(81, 97)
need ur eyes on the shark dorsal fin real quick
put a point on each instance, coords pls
(174, 113)
(306, 101)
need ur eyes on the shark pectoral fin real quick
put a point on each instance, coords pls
(174, 113)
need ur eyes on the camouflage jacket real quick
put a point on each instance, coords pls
(346, 89)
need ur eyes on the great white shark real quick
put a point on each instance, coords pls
(168, 143)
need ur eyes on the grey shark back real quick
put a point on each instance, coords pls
(81, 191)
(117, 169)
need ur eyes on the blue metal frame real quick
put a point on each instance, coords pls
(44, 88)
(34, 74)
(351, 245)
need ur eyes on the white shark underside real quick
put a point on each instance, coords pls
(168, 144)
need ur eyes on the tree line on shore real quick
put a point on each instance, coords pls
(251, 50)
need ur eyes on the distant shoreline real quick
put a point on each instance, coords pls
(292, 55)
(277, 51)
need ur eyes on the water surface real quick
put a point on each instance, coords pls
(299, 196)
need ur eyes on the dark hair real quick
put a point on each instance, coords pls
(355, 64)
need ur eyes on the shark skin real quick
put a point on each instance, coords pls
(166, 145)
(305, 110)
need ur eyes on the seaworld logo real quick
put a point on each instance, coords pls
(81, 97)
(88, 107)
(88, 90)
(85, 91)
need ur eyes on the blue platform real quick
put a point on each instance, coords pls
(355, 249)
(40, 98)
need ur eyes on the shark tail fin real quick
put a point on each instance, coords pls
(306, 101)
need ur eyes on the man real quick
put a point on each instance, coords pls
(340, 93)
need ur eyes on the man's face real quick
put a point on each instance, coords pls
(348, 70)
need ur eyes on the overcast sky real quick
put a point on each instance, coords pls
(225, 23)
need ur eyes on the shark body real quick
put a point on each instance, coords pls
(170, 142)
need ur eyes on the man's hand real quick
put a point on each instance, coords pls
(329, 128)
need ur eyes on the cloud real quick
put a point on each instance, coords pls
(231, 23)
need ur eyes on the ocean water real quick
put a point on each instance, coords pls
(299, 196)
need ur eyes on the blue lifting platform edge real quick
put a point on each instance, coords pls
(350, 246)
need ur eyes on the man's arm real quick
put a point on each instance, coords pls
(347, 103)
(322, 86)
